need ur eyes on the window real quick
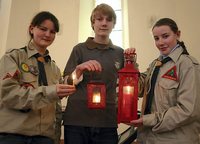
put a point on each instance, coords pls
(117, 34)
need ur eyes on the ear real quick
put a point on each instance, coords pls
(31, 29)
(178, 34)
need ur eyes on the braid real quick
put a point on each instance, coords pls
(181, 43)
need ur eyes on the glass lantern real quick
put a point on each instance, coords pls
(96, 92)
(128, 90)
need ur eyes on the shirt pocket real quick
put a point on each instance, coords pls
(168, 92)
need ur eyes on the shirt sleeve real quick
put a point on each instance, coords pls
(14, 95)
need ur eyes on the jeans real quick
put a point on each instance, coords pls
(7, 138)
(90, 135)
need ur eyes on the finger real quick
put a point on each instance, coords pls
(96, 66)
(65, 89)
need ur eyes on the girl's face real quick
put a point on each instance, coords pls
(43, 35)
(165, 39)
(103, 25)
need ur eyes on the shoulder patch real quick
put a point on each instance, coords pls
(171, 74)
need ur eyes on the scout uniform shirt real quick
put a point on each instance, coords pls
(175, 108)
(25, 107)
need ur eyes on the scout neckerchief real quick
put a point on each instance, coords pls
(42, 73)
(153, 82)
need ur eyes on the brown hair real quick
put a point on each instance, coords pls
(41, 17)
(173, 26)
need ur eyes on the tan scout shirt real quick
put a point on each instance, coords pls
(25, 107)
(176, 103)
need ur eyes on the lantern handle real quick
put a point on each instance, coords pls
(92, 77)
(130, 58)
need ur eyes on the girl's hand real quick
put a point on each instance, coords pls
(64, 90)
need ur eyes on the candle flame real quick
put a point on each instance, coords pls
(128, 90)
(96, 98)
(73, 76)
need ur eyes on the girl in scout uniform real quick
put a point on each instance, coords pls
(30, 92)
(171, 101)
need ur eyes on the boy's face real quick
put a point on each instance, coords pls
(103, 25)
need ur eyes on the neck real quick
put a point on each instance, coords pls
(41, 50)
(102, 40)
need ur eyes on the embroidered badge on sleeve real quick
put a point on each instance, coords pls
(171, 74)
(8, 75)
(14, 75)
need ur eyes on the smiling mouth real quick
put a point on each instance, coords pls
(163, 49)
(103, 29)
(46, 40)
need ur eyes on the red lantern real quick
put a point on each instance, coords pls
(128, 90)
(96, 92)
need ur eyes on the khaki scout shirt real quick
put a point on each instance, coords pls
(176, 103)
(25, 107)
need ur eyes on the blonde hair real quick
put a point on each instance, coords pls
(103, 9)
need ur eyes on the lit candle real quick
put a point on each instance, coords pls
(73, 79)
(128, 89)
(128, 92)
(96, 98)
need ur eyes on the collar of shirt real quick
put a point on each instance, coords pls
(164, 56)
(174, 54)
(91, 44)
(31, 51)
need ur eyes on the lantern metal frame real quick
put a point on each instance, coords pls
(92, 88)
(128, 90)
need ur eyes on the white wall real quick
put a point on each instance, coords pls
(143, 13)
(20, 17)
(5, 6)
(188, 18)
(85, 11)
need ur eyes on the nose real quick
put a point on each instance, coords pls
(160, 41)
(104, 21)
(48, 33)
